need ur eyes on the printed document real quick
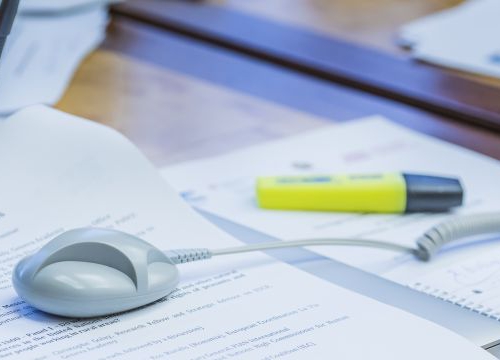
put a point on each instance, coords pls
(61, 172)
(225, 186)
(42, 54)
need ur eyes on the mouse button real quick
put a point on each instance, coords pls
(162, 276)
(65, 240)
(30, 265)
(82, 280)
(68, 238)
(126, 242)
(95, 253)
(129, 244)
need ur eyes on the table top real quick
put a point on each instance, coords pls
(373, 23)
(180, 99)
(353, 51)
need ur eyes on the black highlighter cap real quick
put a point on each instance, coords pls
(432, 193)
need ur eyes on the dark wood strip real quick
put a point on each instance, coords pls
(286, 87)
(324, 57)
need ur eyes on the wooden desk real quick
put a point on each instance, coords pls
(372, 23)
(251, 28)
(180, 99)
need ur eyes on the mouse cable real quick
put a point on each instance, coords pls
(428, 244)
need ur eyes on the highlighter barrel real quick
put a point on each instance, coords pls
(365, 193)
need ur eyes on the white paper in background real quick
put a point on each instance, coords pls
(427, 27)
(240, 307)
(476, 51)
(464, 37)
(58, 6)
(42, 54)
(224, 185)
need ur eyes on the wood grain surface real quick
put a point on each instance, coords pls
(173, 117)
(373, 23)
(325, 57)
(179, 99)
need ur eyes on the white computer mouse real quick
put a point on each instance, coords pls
(92, 272)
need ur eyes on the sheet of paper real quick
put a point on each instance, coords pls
(475, 51)
(222, 185)
(467, 276)
(39, 7)
(464, 37)
(61, 172)
(426, 28)
(42, 54)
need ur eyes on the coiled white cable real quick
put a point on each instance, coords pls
(457, 228)
(427, 245)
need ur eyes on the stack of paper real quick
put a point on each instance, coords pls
(244, 307)
(43, 51)
(464, 37)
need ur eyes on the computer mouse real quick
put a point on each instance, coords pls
(92, 272)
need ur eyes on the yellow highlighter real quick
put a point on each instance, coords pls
(368, 193)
